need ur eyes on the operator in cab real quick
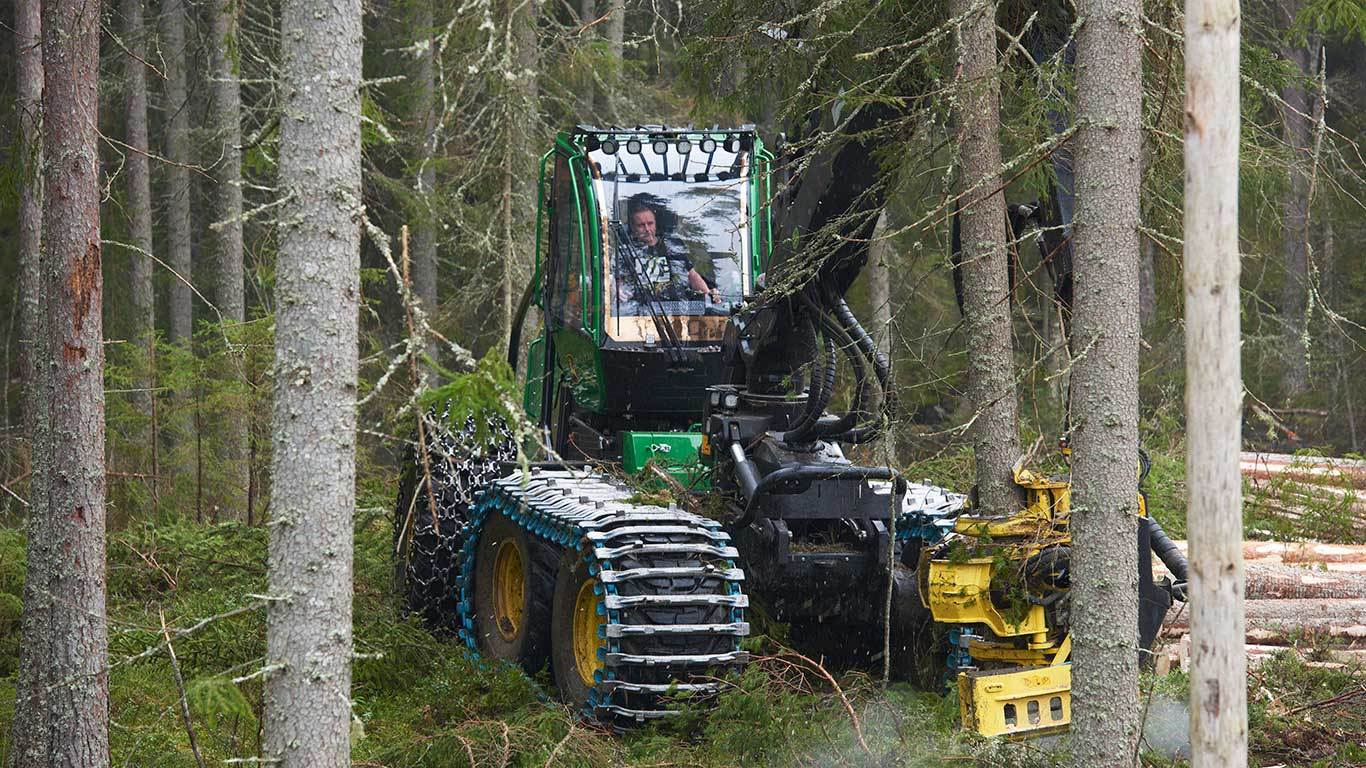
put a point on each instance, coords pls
(664, 261)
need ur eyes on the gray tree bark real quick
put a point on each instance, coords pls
(616, 44)
(226, 227)
(178, 222)
(986, 285)
(137, 174)
(521, 57)
(1295, 213)
(308, 628)
(588, 12)
(879, 273)
(424, 110)
(227, 124)
(1295, 209)
(69, 658)
(1105, 385)
(28, 730)
(1214, 388)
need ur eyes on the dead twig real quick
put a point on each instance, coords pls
(180, 688)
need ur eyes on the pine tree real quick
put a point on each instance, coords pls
(178, 221)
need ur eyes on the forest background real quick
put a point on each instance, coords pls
(458, 102)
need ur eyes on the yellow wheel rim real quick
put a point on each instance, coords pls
(586, 640)
(509, 589)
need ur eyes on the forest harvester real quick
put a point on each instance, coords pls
(682, 334)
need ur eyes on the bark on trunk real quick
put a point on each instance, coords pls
(308, 630)
(28, 731)
(986, 285)
(227, 109)
(881, 253)
(227, 237)
(616, 44)
(1105, 385)
(424, 109)
(137, 173)
(1214, 388)
(178, 224)
(1295, 211)
(521, 59)
(69, 659)
(588, 11)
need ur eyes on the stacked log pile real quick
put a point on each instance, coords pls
(1298, 594)
(1292, 487)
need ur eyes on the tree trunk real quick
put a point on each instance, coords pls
(1214, 388)
(137, 174)
(1104, 387)
(1295, 210)
(178, 225)
(616, 45)
(227, 236)
(521, 60)
(986, 285)
(881, 253)
(68, 658)
(424, 109)
(308, 630)
(227, 109)
(29, 733)
(588, 12)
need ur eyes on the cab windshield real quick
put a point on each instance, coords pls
(677, 239)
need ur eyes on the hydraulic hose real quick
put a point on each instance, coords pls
(823, 387)
(1167, 551)
(855, 413)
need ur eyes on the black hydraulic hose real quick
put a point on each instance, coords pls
(855, 413)
(813, 388)
(815, 472)
(823, 388)
(851, 324)
(1166, 551)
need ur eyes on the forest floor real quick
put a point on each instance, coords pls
(421, 701)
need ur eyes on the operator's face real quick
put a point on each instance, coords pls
(643, 227)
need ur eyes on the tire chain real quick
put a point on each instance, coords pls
(429, 560)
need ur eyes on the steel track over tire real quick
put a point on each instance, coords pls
(514, 578)
(665, 580)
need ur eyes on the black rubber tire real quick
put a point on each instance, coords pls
(570, 576)
(530, 644)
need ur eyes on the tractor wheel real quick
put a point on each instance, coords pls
(575, 621)
(514, 575)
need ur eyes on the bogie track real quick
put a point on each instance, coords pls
(662, 583)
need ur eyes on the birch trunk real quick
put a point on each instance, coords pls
(28, 730)
(986, 285)
(308, 629)
(1214, 391)
(226, 227)
(178, 223)
(1105, 332)
(72, 652)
